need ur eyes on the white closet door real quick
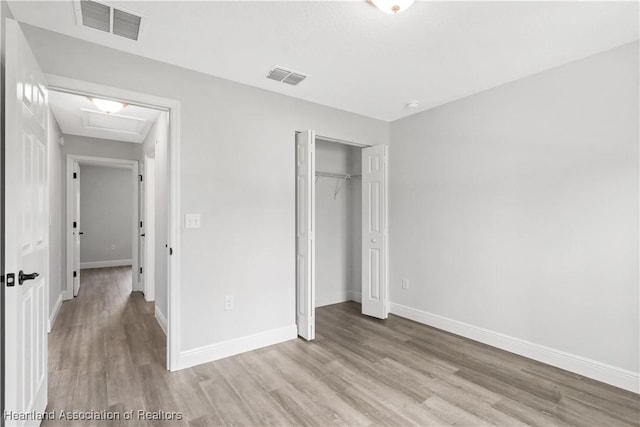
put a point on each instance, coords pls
(374, 231)
(27, 230)
(305, 238)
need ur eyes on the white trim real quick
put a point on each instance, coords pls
(355, 296)
(149, 262)
(606, 373)
(162, 321)
(66, 84)
(53, 314)
(209, 353)
(335, 298)
(103, 264)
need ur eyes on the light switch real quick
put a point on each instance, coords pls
(192, 221)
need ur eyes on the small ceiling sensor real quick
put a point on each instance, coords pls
(413, 104)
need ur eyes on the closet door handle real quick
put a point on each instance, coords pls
(373, 240)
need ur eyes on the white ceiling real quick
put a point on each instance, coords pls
(358, 58)
(76, 115)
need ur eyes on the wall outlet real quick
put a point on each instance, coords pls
(228, 303)
(405, 284)
(192, 221)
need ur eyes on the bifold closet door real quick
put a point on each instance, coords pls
(305, 238)
(374, 231)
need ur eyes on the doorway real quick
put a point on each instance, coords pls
(109, 236)
(168, 247)
(357, 170)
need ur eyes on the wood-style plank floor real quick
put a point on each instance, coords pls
(107, 353)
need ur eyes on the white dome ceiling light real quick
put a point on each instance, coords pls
(392, 6)
(107, 106)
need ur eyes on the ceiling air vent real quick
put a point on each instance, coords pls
(110, 19)
(285, 76)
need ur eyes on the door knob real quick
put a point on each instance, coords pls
(23, 277)
(373, 240)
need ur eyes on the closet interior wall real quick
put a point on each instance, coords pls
(338, 224)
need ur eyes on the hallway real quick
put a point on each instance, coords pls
(106, 347)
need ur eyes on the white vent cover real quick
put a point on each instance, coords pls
(285, 76)
(110, 19)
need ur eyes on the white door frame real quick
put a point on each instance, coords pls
(132, 165)
(149, 263)
(313, 183)
(81, 87)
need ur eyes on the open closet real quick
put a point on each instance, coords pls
(341, 227)
(338, 222)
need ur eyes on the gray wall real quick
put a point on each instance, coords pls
(516, 209)
(238, 171)
(106, 217)
(155, 145)
(97, 147)
(338, 223)
(56, 185)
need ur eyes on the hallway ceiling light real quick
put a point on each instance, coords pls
(392, 6)
(107, 106)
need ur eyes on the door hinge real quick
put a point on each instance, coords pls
(140, 224)
(140, 178)
(75, 224)
(170, 251)
(75, 175)
(140, 270)
(75, 274)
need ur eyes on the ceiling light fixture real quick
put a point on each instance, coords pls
(106, 106)
(392, 6)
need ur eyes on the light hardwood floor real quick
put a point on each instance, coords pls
(107, 352)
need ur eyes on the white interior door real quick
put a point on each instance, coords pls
(27, 228)
(149, 226)
(75, 228)
(374, 231)
(305, 239)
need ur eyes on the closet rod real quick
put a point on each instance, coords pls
(338, 175)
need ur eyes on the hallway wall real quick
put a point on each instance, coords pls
(155, 145)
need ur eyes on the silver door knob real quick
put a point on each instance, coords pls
(373, 240)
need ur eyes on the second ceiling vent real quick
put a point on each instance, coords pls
(285, 76)
(110, 19)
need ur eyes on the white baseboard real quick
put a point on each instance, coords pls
(54, 313)
(336, 298)
(67, 295)
(606, 373)
(209, 353)
(355, 296)
(162, 321)
(102, 264)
